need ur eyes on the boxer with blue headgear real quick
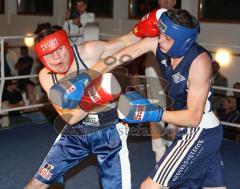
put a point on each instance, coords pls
(184, 37)
(187, 67)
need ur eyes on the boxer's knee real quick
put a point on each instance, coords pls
(35, 184)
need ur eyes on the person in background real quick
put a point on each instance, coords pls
(218, 79)
(75, 21)
(24, 66)
(31, 97)
(228, 113)
(156, 84)
(237, 94)
(25, 62)
(10, 59)
(12, 98)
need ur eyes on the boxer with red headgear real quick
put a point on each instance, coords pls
(53, 45)
(65, 89)
(64, 78)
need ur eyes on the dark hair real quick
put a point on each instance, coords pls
(45, 31)
(182, 17)
(25, 48)
(41, 26)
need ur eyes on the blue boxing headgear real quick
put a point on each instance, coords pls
(184, 37)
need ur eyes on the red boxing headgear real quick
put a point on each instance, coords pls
(51, 43)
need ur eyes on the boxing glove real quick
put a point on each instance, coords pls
(100, 92)
(148, 25)
(68, 93)
(134, 108)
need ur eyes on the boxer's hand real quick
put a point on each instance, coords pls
(134, 108)
(68, 93)
(148, 25)
(100, 92)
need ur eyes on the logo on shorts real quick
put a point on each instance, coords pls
(45, 171)
(140, 111)
(177, 78)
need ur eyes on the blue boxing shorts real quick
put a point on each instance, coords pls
(193, 160)
(99, 134)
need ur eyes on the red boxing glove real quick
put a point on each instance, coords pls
(148, 25)
(100, 92)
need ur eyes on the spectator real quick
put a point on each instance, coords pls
(156, 90)
(228, 113)
(76, 20)
(12, 98)
(24, 66)
(237, 94)
(31, 94)
(25, 62)
(31, 97)
(10, 59)
(218, 79)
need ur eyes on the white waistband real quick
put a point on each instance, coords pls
(209, 120)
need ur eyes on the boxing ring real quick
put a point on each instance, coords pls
(3, 79)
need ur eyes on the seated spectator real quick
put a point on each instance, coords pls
(228, 113)
(76, 20)
(12, 98)
(24, 66)
(237, 94)
(31, 97)
(218, 79)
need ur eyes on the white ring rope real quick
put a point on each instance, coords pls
(3, 78)
(220, 45)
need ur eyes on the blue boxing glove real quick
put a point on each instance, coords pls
(134, 108)
(68, 93)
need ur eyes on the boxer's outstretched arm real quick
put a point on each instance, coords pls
(125, 55)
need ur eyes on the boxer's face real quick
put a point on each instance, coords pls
(165, 42)
(58, 60)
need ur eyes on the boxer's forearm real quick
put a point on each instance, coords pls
(125, 55)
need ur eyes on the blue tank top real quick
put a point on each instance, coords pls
(177, 78)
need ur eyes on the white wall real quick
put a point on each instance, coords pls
(225, 34)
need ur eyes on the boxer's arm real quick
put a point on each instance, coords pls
(125, 55)
(198, 88)
(92, 51)
(71, 116)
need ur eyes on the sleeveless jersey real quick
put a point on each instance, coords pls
(177, 78)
